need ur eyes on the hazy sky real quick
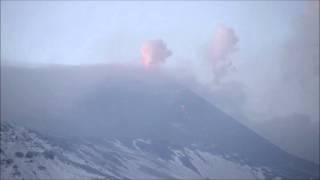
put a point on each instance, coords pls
(80, 32)
(84, 32)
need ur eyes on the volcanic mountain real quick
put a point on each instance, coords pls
(126, 123)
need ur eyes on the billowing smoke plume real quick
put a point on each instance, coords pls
(154, 52)
(223, 44)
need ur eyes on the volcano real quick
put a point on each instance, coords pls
(127, 123)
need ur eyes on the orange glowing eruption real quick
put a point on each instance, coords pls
(223, 44)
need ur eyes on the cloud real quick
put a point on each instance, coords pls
(297, 85)
(154, 52)
(223, 44)
(289, 105)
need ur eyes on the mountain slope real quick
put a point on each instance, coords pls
(137, 124)
(27, 154)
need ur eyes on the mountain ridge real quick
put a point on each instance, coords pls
(146, 116)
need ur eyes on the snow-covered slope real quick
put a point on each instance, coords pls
(26, 154)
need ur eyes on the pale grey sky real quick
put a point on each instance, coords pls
(83, 31)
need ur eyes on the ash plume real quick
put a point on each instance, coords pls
(154, 52)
